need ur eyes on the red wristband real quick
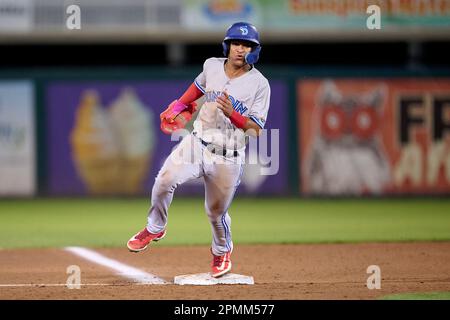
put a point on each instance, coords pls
(238, 120)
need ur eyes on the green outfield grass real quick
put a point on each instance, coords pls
(419, 296)
(110, 222)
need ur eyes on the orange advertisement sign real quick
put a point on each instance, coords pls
(374, 136)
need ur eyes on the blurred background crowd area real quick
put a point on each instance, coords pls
(354, 111)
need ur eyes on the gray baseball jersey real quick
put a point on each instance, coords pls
(250, 96)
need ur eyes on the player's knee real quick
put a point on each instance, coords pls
(215, 210)
(165, 182)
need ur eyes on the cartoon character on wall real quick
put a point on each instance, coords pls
(347, 154)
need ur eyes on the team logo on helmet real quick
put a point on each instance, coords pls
(244, 30)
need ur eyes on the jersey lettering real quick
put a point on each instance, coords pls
(211, 96)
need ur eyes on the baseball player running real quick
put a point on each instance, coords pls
(236, 103)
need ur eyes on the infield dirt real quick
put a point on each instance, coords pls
(307, 271)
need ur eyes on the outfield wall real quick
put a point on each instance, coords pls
(341, 132)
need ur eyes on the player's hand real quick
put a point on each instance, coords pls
(172, 111)
(224, 104)
(172, 119)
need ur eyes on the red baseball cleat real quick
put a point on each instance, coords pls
(142, 239)
(221, 265)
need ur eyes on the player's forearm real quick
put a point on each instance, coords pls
(190, 95)
(252, 129)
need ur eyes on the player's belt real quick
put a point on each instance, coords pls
(223, 152)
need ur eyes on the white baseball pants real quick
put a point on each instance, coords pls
(189, 160)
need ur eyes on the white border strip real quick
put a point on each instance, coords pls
(121, 269)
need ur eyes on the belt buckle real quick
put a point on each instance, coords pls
(230, 153)
(219, 151)
(225, 152)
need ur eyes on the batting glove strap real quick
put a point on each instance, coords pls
(173, 110)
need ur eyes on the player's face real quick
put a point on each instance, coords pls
(238, 50)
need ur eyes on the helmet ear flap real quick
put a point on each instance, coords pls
(225, 48)
(253, 56)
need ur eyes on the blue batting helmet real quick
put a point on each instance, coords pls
(243, 31)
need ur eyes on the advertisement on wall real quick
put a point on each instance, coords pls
(397, 15)
(104, 138)
(374, 136)
(17, 139)
(351, 14)
(218, 14)
(16, 15)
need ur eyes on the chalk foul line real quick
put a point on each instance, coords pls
(121, 269)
